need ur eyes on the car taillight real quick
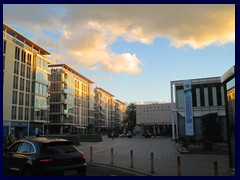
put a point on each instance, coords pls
(46, 160)
(82, 157)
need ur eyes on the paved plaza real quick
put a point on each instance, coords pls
(164, 154)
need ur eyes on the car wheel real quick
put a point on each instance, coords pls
(27, 172)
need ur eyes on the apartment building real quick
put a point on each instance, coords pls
(154, 118)
(25, 84)
(196, 99)
(69, 100)
(104, 109)
(120, 113)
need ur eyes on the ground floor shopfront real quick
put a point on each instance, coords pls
(22, 129)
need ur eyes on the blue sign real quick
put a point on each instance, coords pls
(188, 108)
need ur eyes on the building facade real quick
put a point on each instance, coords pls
(228, 81)
(104, 109)
(207, 96)
(154, 118)
(120, 113)
(70, 100)
(25, 84)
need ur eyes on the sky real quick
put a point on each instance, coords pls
(133, 51)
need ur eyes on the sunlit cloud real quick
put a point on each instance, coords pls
(88, 31)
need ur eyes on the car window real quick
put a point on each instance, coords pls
(14, 147)
(26, 148)
(58, 148)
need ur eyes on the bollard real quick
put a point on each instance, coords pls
(131, 157)
(111, 155)
(152, 163)
(215, 168)
(179, 166)
(91, 154)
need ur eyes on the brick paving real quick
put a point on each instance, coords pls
(165, 156)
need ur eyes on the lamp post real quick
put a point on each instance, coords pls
(48, 111)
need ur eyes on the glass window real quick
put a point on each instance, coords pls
(198, 97)
(27, 99)
(20, 113)
(14, 147)
(28, 75)
(26, 113)
(23, 70)
(21, 98)
(26, 148)
(214, 95)
(179, 94)
(21, 84)
(16, 67)
(206, 100)
(17, 53)
(27, 85)
(14, 97)
(15, 82)
(14, 112)
(222, 95)
(23, 56)
(4, 46)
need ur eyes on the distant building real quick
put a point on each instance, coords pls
(154, 118)
(104, 109)
(71, 98)
(120, 113)
(228, 80)
(25, 84)
(207, 95)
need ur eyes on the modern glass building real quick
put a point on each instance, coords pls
(228, 80)
(25, 84)
(207, 96)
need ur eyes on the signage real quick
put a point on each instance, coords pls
(188, 108)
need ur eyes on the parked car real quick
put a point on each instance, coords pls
(43, 156)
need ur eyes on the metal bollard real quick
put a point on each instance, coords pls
(215, 168)
(179, 166)
(91, 154)
(131, 157)
(152, 163)
(111, 155)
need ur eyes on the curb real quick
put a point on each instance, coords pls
(119, 167)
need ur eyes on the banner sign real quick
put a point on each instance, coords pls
(188, 108)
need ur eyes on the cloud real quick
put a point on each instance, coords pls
(86, 32)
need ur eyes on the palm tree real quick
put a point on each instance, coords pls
(130, 120)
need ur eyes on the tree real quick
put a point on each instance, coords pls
(130, 120)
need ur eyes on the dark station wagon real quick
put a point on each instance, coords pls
(43, 156)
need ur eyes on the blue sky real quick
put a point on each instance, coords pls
(133, 56)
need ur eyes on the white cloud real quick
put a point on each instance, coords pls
(88, 31)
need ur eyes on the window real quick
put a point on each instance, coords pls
(26, 113)
(28, 75)
(21, 84)
(14, 112)
(4, 46)
(26, 148)
(23, 56)
(14, 97)
(214, 95)
(23, 70)
(27, 99)
(20, 113)
(21, 98)
(16, 67)
(15, 82)
(206, 97)
(27, 85)
(198, 97)
(29, 59)
(17, 53)
(14, 147)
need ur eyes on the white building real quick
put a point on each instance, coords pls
(154, 118)
(207, 99)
